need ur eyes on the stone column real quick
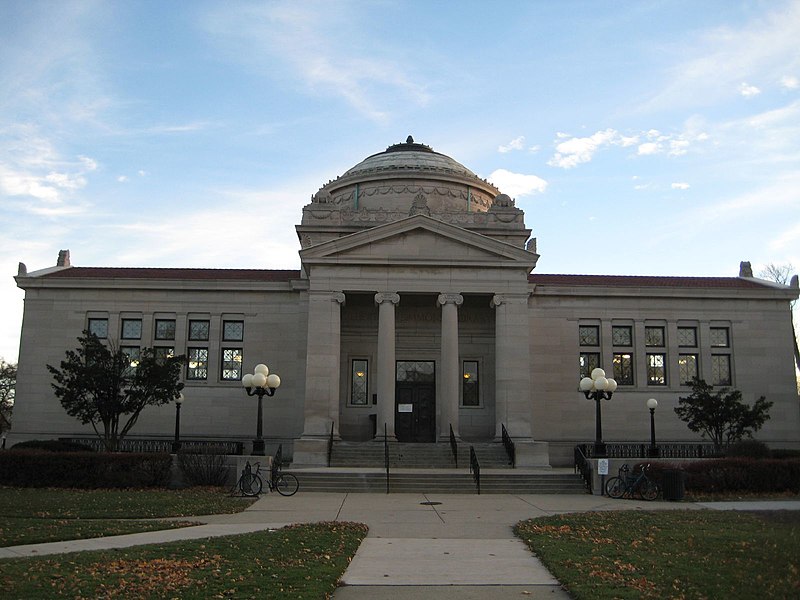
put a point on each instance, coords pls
(323, 366)
(386, 302)
(449, 371)
(512, 365)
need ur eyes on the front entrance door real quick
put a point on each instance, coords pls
(415, 397)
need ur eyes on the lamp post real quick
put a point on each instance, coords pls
(176, 444)
(597, 388)
(260, 383)
(653, 451)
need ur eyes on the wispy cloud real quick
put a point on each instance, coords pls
(518, 143)
(517, 185)
(680, 185)
(790, 82)
(788, 237)
(747, 90)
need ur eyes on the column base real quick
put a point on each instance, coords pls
(532, 454)
(310, 452)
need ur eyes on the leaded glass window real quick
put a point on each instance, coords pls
(719, 337)
(359, 390)
(233, 331)
(197, 367)
(589, 361)
(469, 384)
(198, 330)
(231, 364)
(165, 329)
(589, 335)
(419, 371)
(99, 327)
(132, 353)
(654, 336)
(687, 337)
(720, 369)
(131, 329)
(656, 371)
(623, 368)
(162, 353)
(622, 335)
(687, 368)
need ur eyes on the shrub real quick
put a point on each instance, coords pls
(204, 466)
(52, 446)
(785, 453)
(748, 449)
(37, 468)
(736, 475)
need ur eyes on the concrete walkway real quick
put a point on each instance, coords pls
(419, 545)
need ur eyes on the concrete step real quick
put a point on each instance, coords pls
(371, 454)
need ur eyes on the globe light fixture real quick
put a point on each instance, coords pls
(598, 387)
(653, 451)
(260, 383)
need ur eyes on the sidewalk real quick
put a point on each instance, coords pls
(419, 545)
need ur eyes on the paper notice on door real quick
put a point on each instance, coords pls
(405, 408)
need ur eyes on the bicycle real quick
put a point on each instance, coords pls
(251, 484)
(625, 485)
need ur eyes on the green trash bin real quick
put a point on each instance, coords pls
(673, 484)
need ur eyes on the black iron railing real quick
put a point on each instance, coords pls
(277, 461)
(508, 444)
(330, 445)
(475, 467)
(666, 450)
(150, 445)
(584, 467)
(386, 455)
(453, 445)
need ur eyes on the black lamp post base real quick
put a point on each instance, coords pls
(258, 447)
(175, 447)
(653, 452)
(599, 450)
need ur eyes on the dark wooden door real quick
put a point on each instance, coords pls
(415, 412)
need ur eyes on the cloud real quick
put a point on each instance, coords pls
(517, 143)
(747, 90)
(680, 186)
(574, 151)
(517, 185)
(787, 238)
(123, 179)
(790, 82)
(648, 148)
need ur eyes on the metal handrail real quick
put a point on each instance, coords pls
(386, 455)
(475, 467)
(508, 444)
(453, 445)
(584, 467)
(666, 450)
(330, 444)
(277, 461)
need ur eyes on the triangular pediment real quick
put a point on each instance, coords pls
(419, 240)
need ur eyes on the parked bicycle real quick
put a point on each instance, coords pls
(251, 484)
(626, 485)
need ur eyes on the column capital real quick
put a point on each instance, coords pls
(382, 297)
(338, 297)
(333, 296)
(500, 299)
(444, 298)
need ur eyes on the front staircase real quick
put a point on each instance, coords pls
(430, 468)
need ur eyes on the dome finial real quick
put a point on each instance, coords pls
(409, 140)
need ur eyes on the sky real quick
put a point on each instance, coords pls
(640, 138)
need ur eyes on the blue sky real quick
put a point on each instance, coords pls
(654, 138)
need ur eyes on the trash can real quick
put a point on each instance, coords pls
(673, 484)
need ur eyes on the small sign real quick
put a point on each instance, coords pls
(405, 408)
(602, 466)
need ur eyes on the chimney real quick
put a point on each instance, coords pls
(63, 259)
(745, 270)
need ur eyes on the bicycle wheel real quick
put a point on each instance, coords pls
(250, 484)
(286, 484)
(615, 487)
(648, 490)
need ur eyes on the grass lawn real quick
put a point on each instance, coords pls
(31, 516)
(670, 554)
(301, 561)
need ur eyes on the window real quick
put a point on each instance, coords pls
(233, 331)
(131, 329)
(720, 369)
(359, 388)
(654, 336)
(99, 327)
(162, 353)
(469, 384)
(231, 364)
(589, 362)
(687, 368)
(589, 335)
(656, 372)
(623, 368)
(687, 337)
(720, 337)
(198, 331)
(198, 364)
(621, 335)
(132, 352)
(165, 329)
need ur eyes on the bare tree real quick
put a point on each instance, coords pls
(782, 274)
(8, 380)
